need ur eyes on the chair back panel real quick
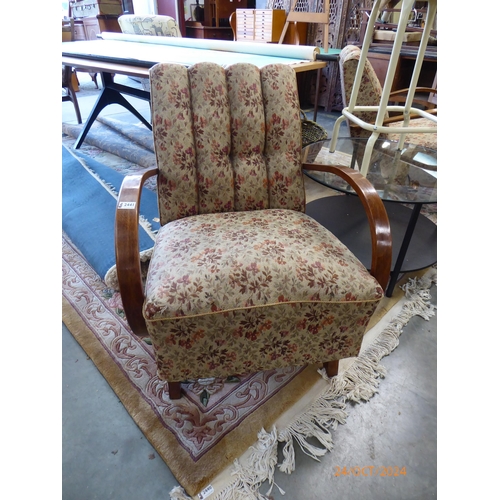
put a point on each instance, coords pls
(149, 25)
(370, 90)
(226, 139)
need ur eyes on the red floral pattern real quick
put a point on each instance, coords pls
(241, 280)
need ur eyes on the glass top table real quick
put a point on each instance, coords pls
(404, 179)
(406, 176)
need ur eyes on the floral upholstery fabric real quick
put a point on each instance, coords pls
(370, 90)
(210, 133)
(149, 25)
(426, 140)
(370, 94)
(259, 289)
(241, 280)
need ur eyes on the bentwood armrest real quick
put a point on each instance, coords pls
(128, 264)
(400, 96)
(378, 220)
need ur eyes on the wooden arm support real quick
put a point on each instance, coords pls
(128, 263)
(400, 96)
(378, 220)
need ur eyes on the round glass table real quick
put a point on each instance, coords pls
(405, 180)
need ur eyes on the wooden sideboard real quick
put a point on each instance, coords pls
(92, 17)
(197, 30)
(259, 25)
(95, 16)
(215, 23)
(379, 57)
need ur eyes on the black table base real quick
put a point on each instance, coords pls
(414, 236)
(111, 93)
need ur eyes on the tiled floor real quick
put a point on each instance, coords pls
(106, 456)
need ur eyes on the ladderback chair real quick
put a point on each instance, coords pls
(241, 279)
(68, 35)
(370, 94)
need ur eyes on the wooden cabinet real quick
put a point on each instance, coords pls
(197, 30)
(380, 57)
(259, 25)
(95, 25)
(95, 16)
(91, 27)
(215, 24)
(79, 30)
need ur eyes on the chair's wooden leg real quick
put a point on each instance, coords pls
(174, 390)
(331, 367)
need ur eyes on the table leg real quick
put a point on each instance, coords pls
(316, 97)
(404, 248)
(111, 93)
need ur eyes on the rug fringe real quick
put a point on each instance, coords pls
(358, 383)
(178, 493)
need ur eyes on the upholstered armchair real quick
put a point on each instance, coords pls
(370, 94)
(154, 25)
(151, 25)
(241, 279)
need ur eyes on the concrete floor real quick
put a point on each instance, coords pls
(106, 456)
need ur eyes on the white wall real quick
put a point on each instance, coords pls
(144, 7)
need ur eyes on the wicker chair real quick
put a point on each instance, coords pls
(241, 279)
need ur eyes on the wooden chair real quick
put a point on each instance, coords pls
(241, 279)
(299, 13)
(68, 35)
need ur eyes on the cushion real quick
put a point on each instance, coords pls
(428, 140)
(252, 291)
(390, 36)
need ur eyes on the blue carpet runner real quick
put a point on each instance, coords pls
(89, 194)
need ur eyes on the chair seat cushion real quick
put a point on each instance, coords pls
(273, 281)
(427, 140)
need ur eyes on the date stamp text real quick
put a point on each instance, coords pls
(370, 471)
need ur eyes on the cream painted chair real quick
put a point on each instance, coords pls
(370, 93)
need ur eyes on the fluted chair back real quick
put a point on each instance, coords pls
(237, 135)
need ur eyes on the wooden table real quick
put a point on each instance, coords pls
(134, 58)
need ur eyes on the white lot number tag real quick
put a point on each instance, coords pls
(126, 205)
(206, 492)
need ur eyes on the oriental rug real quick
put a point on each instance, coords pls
(223, 434)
